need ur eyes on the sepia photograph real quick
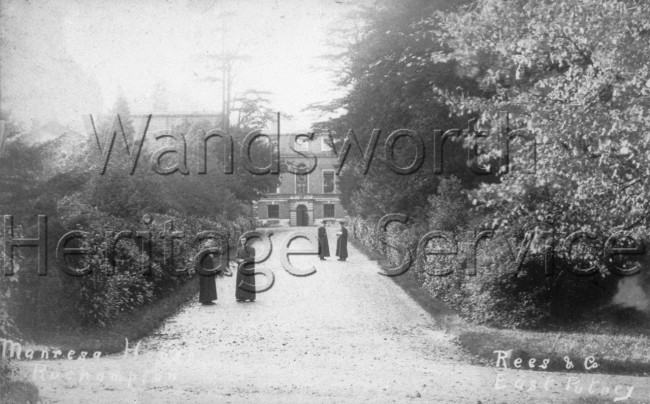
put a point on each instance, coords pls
(325, 201)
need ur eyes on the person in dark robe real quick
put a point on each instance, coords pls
(342, 243)
(245, 272)
(323, 244)
(207, 284)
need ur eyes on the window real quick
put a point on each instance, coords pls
(324, 144)
(328, 210)
(302, 183)
(274, 211)
(328, 182)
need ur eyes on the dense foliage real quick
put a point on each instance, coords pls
(575, 74)
(571, 73)
(119, 284)
(389, 72)
(78, 197)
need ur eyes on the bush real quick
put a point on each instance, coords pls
(95, 203)
(111, 290)
(499, 295)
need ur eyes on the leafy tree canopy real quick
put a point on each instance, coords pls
(575, 73)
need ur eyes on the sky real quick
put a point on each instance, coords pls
(63, 59)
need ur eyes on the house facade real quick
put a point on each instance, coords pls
(303, 199)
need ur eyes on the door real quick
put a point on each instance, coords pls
(302, 219)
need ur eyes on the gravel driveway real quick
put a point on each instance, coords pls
(343, 334)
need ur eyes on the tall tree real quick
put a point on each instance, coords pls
(389, 70)
(253, 110)
(575, 74)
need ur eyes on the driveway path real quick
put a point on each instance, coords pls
(344, 334)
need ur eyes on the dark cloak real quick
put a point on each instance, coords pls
(245, 272)
(342, 244)
(323, 244)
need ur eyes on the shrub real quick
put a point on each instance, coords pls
(500, 294)
(118, 287)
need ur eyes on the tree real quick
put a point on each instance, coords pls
(389, 70)
(20, 167)
(122, 109)
(117, 191)
(576, 75)
(253, 110)
(216, 192)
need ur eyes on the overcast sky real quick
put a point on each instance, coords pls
(61, 59)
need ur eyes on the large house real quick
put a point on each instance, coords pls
(303, 199)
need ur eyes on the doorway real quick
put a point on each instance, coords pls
(302, 218)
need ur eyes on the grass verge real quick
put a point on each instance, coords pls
(614, 353)
(134, 325)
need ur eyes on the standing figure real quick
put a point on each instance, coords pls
(207, 284)
(245, 272)
(323, 244)
(342, 243)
